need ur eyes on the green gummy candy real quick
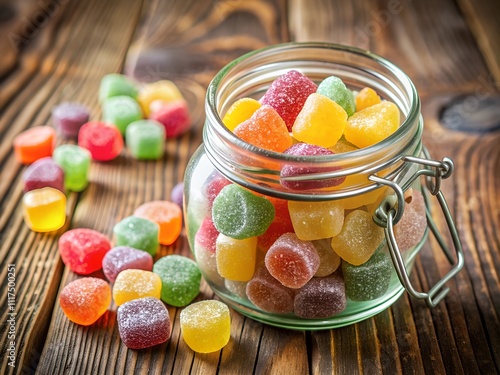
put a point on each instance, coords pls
(138, 233)
(75, 162)
(333, 88)
(369, 280)
(145, 139)
(239, 214)
(180, 279)
(121, 111)
(116, 85)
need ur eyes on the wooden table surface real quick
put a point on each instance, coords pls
(53, 51)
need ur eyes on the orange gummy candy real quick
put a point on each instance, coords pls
(366, 98)
(167, 215)
(35, 143)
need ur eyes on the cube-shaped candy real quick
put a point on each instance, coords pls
(69, 117)
(44, 209)
(167, 215)
(236, 258)
(125, 258)
(212, 186)
(280, 225)
(82, 250)
(316, 220)
(121, 111)
(116, 85)
(34, 143)
(146, 139)
(138, 233)
(204, 250)
(174, 116)
(143, 323)
(75, 161)
(132, 284)
(410, 230)
(83, 301)
(366, 98)
(104, 141)
(206, 326)
(333, 88)
(155, 94)
(329, 260)
(241, 110)
(43, 173)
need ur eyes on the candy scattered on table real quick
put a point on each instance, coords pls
(143, 323)
(180, 279)
(240, 111)
(68, 118)
(410, 230)
(133, 284)
(145, 139)
(83, 250)
(35, 143)
(167, 215)
(174, 116)
(336, 90)
(75, 161)
(236, 258)
(156, 94)
(125, 258)
(85, 300)
(121, 111)
(103, 140)
(44, 209)
(206, 326)
(138, 233)
(116, 85)
(44, 172)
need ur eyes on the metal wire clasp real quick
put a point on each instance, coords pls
(391, 210)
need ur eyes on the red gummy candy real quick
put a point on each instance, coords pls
(174, 116)
(207, 235)
(281, 224)
(104, 141)
(213, 185)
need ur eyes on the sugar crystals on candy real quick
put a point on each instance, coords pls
(167, 215)
(132, 284)
(236, 258)
(333, 88)
(138, 233)
(123, 258)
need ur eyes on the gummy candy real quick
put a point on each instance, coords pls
(116, 85)
(180, 279)
(138, 233)
(132, 284)
(366, 98)
(206, 326)
(265, 129)
(369, 280)
(145, 139)
(204, 250)
(167, 215)
(177, 194)
(333, 88)
(410, 230)
(280, 225)
(82, 250)
(241, 110)
(359, 239)
(34, 143)
(143, 323)
(214, 183)
(207, 235)
(75, 161)
(83, 301)
(104, 141)
(291, 261)
(321, 297)
(43, 173)
(68, 118)
(236, 258)
(290, 170)
(329, 260)
(174, 116)
(124, 258)
(239, 214)
(316, 220)
(121, 111)
(44, 209)
(342, 146)
(159, 92)
(287, 95)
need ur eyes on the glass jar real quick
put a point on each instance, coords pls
(378, 180)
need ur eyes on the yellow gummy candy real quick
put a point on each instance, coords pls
(236, 258)
(240, 111)
(316, 220)
(366, 98)
(134, 284)
(161, 91)
(372, 125)
(44, 209)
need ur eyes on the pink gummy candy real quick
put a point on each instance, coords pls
(104, 141)
(68, 118)
(44, 172)
(410, 230)
(207, 235)
(213, 185)
(124, 258)
(174, 116)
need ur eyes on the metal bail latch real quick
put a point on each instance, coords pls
(391, 209)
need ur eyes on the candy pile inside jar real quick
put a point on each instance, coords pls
(303, 257)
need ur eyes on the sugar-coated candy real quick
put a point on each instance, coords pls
(366, 98)
(321, 121)
(291, 261)
(180, 279)
(121, 258)
(239, 214)
(329, 260)
(268, 294)
(265, 129)
(321, 297)
(132, 284)
(83, 249)
(287, 94)
(359, 239)
(121, 111)
(280, 225)
(204, 250)
(138, 233)
(145, 139)
(34, 143)
(333, 88)
(44, 209)
(238, 288)
(316, 220)
(103, 140)
(167, 215)
(241, 110)
(236, 258)
(206, 326)
(207, 235)
(85, 300)
(372, 125)
(368, 281)
(75, 161)
(174, 116)
(68, 117)
(410, 230)
(212, 186)
(177, 194)
(157, 93)
(43, 173)
(290, 170)
(116, 85)
(143, 323)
